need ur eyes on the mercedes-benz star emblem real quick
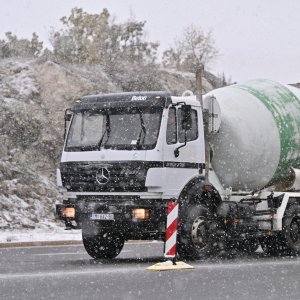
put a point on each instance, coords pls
(102, 176)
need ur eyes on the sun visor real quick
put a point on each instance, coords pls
(122, 100)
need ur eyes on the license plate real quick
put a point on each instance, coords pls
(106, 217)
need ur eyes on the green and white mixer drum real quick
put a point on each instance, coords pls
(258, 141)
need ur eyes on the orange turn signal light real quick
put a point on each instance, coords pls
(69, 212)
(269, 233)
(207, 187)
(141, 213)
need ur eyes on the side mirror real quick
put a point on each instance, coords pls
(68, 117)
(186, 121)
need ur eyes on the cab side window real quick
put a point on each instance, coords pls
(172, 127)
(191, 134)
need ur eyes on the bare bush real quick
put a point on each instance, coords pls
(193, 50)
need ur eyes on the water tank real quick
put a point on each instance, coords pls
(258, 139)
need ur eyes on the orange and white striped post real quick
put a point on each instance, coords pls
(171, 231)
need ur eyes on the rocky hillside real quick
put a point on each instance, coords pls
(33, 97)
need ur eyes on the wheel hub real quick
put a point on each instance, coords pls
(200, 234)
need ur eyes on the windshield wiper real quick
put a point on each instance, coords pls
(106, 131)
(143, 130)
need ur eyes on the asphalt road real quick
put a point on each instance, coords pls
(67, 272)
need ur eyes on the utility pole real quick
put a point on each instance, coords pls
(199, 74)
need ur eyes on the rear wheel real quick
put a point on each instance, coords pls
(196, 232)
(248, 246)
(291, 229)
(274, 245)
(105, 245)
(286, 242)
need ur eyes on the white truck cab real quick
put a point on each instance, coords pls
(127, 155)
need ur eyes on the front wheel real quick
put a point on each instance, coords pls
(105, 245)
(196, 238)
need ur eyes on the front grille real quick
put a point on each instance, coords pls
(123, 176)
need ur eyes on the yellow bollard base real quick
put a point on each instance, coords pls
(168, 265)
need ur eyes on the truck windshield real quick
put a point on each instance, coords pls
(124, 129)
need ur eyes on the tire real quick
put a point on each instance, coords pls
(291, 229)
(248, 246)
(195, 240)
(105, 245)
(286, 242)
(274, 245)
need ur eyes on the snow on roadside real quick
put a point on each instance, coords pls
(56, 233)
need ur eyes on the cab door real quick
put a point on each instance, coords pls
(181, 169)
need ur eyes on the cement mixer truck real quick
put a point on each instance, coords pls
(231, 162)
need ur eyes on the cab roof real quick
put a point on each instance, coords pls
(127, 99)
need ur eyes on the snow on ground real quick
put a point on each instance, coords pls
(56, 233)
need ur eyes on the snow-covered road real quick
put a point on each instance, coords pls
(67, 272)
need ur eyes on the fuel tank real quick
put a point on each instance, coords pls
(257, 141)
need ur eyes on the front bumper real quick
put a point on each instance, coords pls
(122, 211)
